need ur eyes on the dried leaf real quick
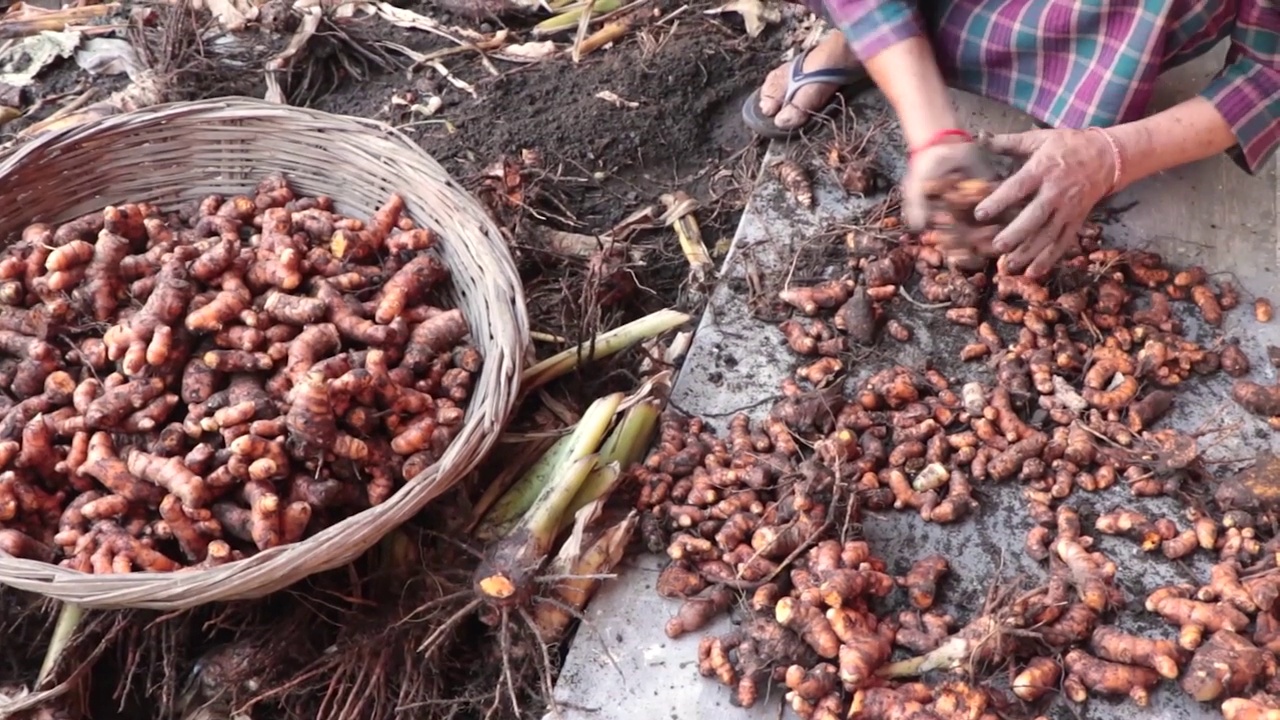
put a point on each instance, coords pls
(405, 18)
(232, 15)
(755, 14)
(144, 91)
(24, 59)
(453, 80)
(573, 545)
(528, 52)
(503, 177)
(24, 21)
(109, 56)
(616, 100)
(278, 64)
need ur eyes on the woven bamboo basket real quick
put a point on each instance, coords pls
(179, 152)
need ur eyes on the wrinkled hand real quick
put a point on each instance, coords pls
(1064, 175)
(935, 165)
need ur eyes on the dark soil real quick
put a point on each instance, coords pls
(686, 92)
(681, 80)
(687, 79)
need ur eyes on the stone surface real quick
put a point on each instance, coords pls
(622, 665)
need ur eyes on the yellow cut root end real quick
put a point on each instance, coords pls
(499, 587)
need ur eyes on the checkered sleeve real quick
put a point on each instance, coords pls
(871, 25)
(1247, 91)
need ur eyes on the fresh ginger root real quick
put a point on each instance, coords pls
(810, 623)
(20, 545)
(103, 465)
(408, 284)
(1259, 707)
(1085, 367)
(814, 693)
(1124, 521)
(1225, 585)
(748, 657)
(698, 611)
(917, 701)
(862, 655)
(1194, 617)
(826, 296)
(922, 632)
(1091, 573)
(921, 581)
(170, 474)
(953, 228)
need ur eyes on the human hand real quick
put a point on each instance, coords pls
(1064, 175)
(934, 168)
(944, 174)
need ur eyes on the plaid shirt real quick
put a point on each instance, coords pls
(1076, 64)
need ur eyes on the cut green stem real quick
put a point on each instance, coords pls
(624, 447)
(506, 575)
(604, 345)
(586, 438)
(569, 16)
(599, 484)
(69, 617)
(515, 466)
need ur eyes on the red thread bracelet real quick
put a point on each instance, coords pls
(941, 137)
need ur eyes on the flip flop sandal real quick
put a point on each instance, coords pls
(763, 125)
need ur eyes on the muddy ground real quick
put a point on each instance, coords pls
(680, 77)
(675, 83)
(687, 79)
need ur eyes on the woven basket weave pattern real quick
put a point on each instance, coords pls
(182, 152)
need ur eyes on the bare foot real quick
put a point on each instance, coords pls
(832, 52)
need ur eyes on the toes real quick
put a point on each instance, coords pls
(773, 90)
(790, 117)
(830, 53)
(807, 101)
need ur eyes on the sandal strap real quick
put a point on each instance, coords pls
(826, 76)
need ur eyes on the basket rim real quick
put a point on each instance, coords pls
(504, 359)
(250, 106)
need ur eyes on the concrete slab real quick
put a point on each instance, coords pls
(622, 665)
